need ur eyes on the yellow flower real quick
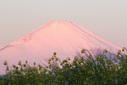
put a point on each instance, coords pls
(119, 52)
(7, 69)
(26, 62)
(54, 53)
(56, 59)
(89, 56)
(82, 51)
(106, 51)
(122, 49)
(17, 68)
(34, 63)
(14, 66)
(68, 58)
(19, 63)
(52, 58)
(5, 63)
(48, 62)
(24, 65)
(75, 59)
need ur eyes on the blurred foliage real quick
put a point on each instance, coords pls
(84, 70)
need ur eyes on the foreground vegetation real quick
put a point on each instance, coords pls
(82, 71)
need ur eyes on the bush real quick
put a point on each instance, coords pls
(82, 71)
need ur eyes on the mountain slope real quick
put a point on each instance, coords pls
(65, 38)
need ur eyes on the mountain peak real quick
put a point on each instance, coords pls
(56, 25)
(64, 37)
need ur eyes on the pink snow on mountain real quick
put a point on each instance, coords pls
(67, 39)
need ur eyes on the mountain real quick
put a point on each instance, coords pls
(67, 39)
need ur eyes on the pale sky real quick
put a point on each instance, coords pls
(105, 18)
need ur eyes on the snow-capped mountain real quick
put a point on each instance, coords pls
(67, 39)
